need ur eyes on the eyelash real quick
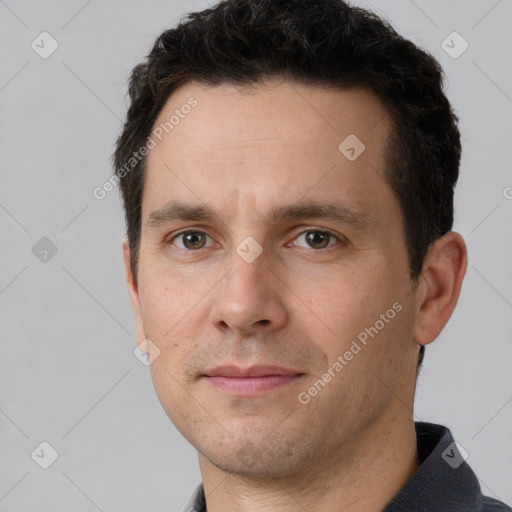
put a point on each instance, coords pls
(338, 238)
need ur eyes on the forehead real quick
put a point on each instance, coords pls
(231, 143)
(229, 113)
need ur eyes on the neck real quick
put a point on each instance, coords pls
(381, 459)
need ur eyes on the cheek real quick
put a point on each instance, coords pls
(166, 312)
(169, 321)
(342, 298)
(168, 384)
(165, 295)
(360, 309)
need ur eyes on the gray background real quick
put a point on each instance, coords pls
(69, 376)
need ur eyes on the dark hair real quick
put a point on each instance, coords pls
(327, 43)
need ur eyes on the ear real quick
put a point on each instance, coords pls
(440, 283)
(133, 290)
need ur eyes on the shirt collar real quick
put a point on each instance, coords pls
(198, 502)
(444, 481)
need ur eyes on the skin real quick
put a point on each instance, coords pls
(244, 153)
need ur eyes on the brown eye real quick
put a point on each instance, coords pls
(191, 240)
(317, 239)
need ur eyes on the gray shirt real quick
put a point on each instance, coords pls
(444, 482)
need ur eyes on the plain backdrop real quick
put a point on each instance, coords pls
(69, 376)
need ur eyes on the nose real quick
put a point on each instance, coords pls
(249, 298)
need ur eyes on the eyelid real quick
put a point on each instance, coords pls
(170, 238)
(303, 230)
(340, 238)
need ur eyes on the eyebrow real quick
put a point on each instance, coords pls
(336, 212)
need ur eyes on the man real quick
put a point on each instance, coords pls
(287, 171)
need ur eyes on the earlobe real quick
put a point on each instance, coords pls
(439, 290)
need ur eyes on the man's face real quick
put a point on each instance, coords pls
(262, 281)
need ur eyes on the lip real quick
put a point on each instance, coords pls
(255, 380)
(253, 371)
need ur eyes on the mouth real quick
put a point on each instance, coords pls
(255, 380)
